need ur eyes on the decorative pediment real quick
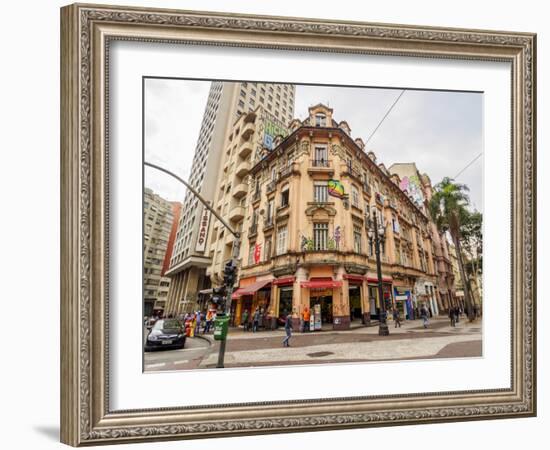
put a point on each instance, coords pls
(359, 269)
(318, 207)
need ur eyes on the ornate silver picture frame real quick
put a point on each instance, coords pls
(87, 32)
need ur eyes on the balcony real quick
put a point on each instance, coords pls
(271, 186)
(350, 171)
(240, 190)
(242, 169)
(237, 213)
(248, 130)
(366, 189)
(289, 170)
(245, 149)
(317, 166)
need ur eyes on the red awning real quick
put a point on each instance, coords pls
(354, 278)
(321, 284)
(251, 289)
(284, 281)
(375, 280)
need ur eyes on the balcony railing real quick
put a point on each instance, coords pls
(320, 162)
(271, 186)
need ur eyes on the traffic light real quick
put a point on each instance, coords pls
(229, 273)
(218, 296)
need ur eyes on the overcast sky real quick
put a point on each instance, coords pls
(440, 131)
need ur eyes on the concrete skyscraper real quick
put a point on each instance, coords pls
(226, 103)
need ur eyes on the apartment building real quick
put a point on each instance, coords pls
(304, 219)
(159, 219)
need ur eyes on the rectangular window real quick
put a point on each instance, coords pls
(357, 239)
(269, 214)
(320, 236)
(320, 192)
(320, 120)
(284, 198)
(321, 156)
(267, 249)
(282, 235)
(251, 254)
(354, 196)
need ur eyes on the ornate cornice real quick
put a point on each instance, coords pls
(86, 17)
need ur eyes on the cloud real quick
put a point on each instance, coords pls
(440, 131)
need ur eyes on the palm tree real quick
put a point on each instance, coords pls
(448, 210)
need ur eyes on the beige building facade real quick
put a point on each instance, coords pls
(304, 217)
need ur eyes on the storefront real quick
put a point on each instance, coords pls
(250, 295)
(321, 292)
(404, 301)
(355, 295)
(284, 292)
(374, 301)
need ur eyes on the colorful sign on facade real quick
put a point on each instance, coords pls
(411, 185)
(257, 253)
(272, 128)
(336, 189)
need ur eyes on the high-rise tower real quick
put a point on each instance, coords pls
(227, 102)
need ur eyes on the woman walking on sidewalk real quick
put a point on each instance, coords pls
(424, 315)
(288, 330)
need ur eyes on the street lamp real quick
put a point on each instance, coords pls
(377, 236)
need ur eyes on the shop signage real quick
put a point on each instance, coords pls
(257, 253)
(203, 231)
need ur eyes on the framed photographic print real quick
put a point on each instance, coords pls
(279, 224)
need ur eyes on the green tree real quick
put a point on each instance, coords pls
(448, 210)
(472, 241)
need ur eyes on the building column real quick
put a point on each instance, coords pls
(300, 297)
(274, 305)
(340, 303)
(365, 302)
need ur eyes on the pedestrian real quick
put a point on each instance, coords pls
(198, 320)
(256, 320)
(396, 318)
(424, 316)
(245, 320)
(307, 318)
(457, 314)
(452, 317)
(208, 322)
(288, 330)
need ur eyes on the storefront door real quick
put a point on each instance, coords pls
(355, 310)
(325, 302)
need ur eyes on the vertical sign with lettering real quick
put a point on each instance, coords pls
(203, 231)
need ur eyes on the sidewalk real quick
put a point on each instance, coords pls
(441, 324)
(411, 341)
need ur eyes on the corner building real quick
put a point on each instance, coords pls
(303, 246)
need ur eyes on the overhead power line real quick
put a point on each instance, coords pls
(385, 115)
(467, 165)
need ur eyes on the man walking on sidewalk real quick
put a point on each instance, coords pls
(396, 318)
(452, 317)
(288, 330)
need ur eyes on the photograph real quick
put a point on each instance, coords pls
(302, 224)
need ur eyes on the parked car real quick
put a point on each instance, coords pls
(166, 333)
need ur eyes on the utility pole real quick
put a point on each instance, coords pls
(230, 268)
